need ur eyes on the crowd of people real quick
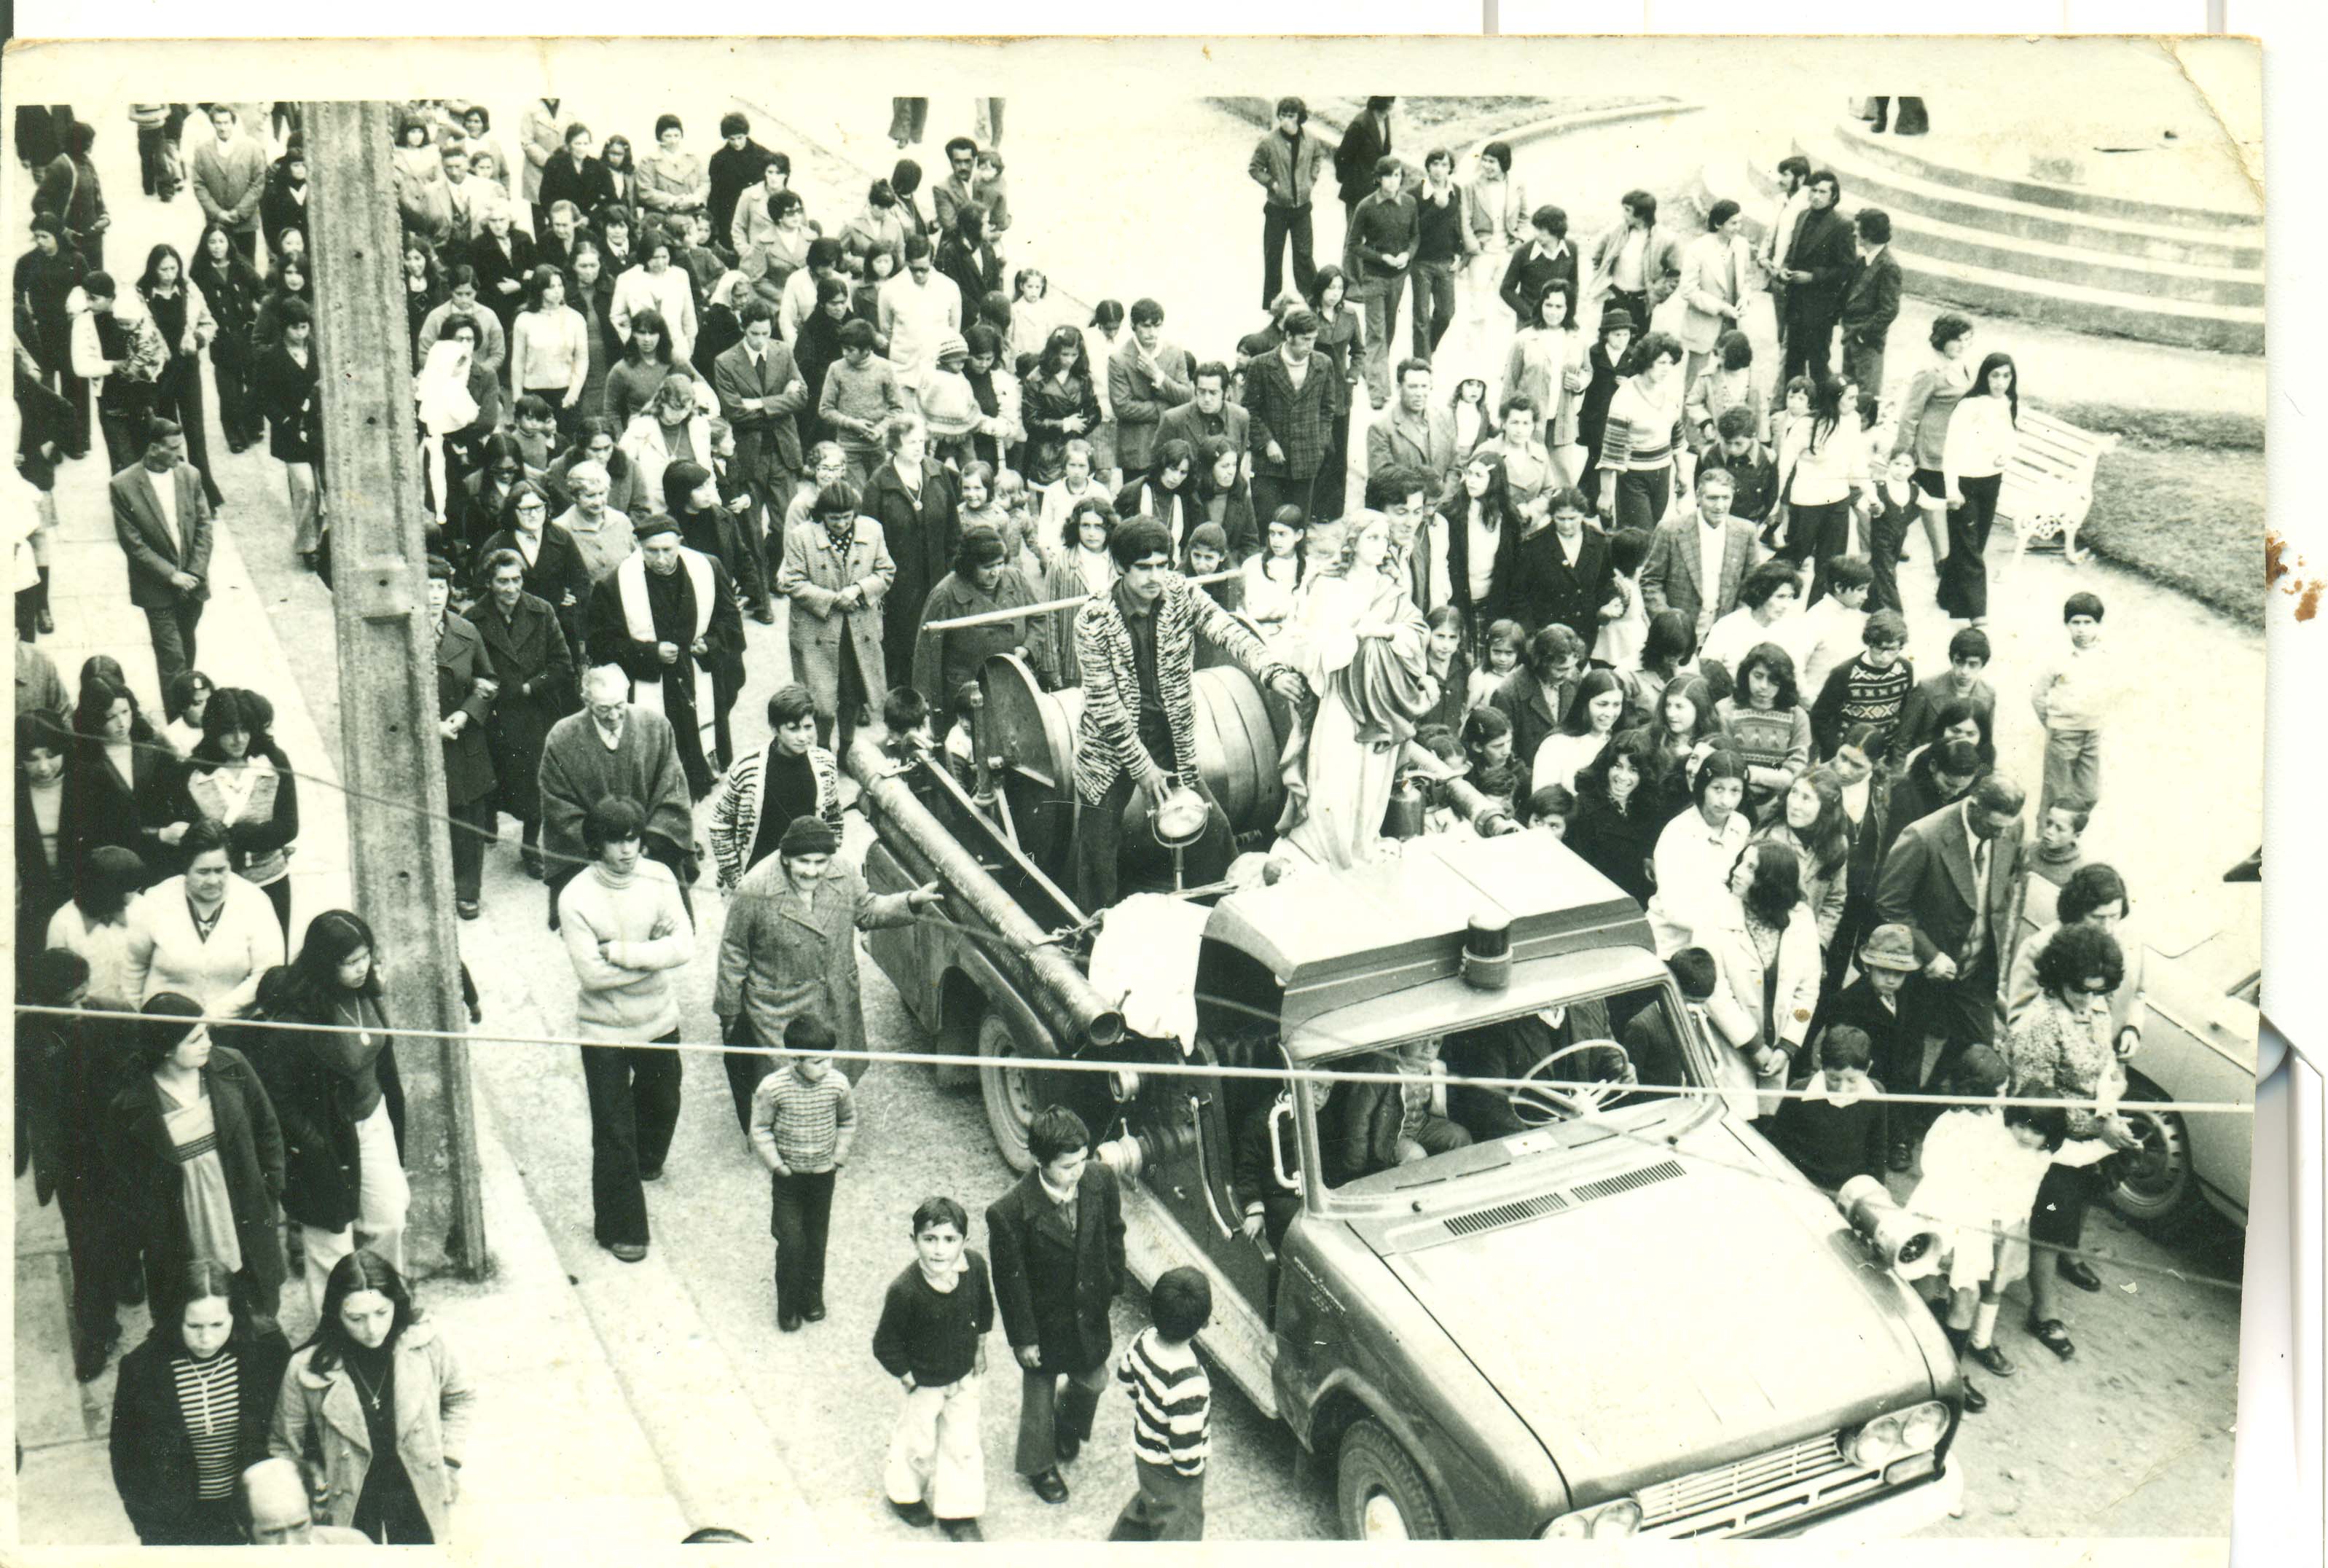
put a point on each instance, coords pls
(1631, 589)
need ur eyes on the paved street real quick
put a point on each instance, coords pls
(2131, 1438)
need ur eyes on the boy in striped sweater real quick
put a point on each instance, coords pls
(803, 1119)
(1171, 1412)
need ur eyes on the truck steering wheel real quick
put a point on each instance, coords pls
(1536, 1104)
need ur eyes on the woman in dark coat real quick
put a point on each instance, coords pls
(197, 1154)
(43, 280)
(967, 256)
(818, 350)
(231, 289)
(118, 791)
(67, 1071)
(1057, 404)
(1619, 814)
(192, 1409)
(466, 690)
(69, 189)
(533, 659)
(285, 386)
(913, 500)
(559, 575)
(338, 1096)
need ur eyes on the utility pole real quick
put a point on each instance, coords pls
(391, 751)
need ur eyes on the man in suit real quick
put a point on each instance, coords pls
(1633, 263)
(1713, 274)
(1209, 412)
(1057, 1240)
(1695, 565)
(1136, 645)
(163, 523)
(761, 391)
(1415, 435)
(1872, 303)
(1817, 265)
(1145, 377)
(1364, 145)
(1291, 394)
(1949, 879)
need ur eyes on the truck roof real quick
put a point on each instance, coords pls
(1335, 938)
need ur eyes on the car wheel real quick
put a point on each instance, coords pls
(2155, 1186)
(1009, 1093)
(1382, 1495)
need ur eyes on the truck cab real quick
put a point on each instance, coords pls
(1591, 1302)
(1614, 1310)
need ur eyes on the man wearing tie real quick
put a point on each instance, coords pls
(760, 393)
(1949, 879)
(1817, 268)
(163, 523)
(1695, 565)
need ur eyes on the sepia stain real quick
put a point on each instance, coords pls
(2282, 570)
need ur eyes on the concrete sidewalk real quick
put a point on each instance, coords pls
(556, 1451)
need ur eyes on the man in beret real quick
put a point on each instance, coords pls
(789, 948)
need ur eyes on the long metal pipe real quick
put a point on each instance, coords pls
(996, 617)
(1061, 991)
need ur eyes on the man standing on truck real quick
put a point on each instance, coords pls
(1058, 1241)
(1137, 646)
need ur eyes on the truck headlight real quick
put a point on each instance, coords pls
(1916, 1430)
(1610, 1521)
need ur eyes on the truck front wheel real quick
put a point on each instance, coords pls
(1382, 1495)
(1009, 1093)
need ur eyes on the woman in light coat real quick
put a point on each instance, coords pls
(1766, 951)
(654, 284)
(674, 429)
(375, 1409)
(837, 571)
(1714, 271)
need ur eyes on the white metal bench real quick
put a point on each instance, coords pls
(2049, 484)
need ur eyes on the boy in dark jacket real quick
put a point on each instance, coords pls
(932, 1339)
(1836, 1130)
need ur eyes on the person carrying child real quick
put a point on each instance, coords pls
(932, 1339)
(1982, 1165)
(1171, 1412)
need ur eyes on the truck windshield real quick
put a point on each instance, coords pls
(1594, 1062)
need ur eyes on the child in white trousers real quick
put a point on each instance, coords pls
(932, 1339)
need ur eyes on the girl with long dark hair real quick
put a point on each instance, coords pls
(191, 1408)
(374, 1365)
(1061, 405)
(231, 289)
(339, 1098)
(1982, 434)
(1619, 815)
(184, 319)
(1765, 948)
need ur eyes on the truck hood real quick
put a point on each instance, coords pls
(1693, 1320)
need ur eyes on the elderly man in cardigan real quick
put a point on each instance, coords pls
(1136, 645)
(612, 747)
(668, 616)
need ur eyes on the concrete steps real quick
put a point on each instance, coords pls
(1973, 245)
(1906, 158)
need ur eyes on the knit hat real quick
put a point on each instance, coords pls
(1614, 315)
(647, 527)
(807, 836)
(1890, 947)
(952, 343)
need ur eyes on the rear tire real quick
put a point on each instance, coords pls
(1009, 1093)
(2155, 1186)
(1379, 1493)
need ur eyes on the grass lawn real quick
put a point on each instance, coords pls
(2189, 516)
(1423, 122)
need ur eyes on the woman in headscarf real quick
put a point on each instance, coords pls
(240, 779)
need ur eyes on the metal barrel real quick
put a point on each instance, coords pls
(1056, 984)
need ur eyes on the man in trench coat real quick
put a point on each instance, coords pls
(836, 572)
